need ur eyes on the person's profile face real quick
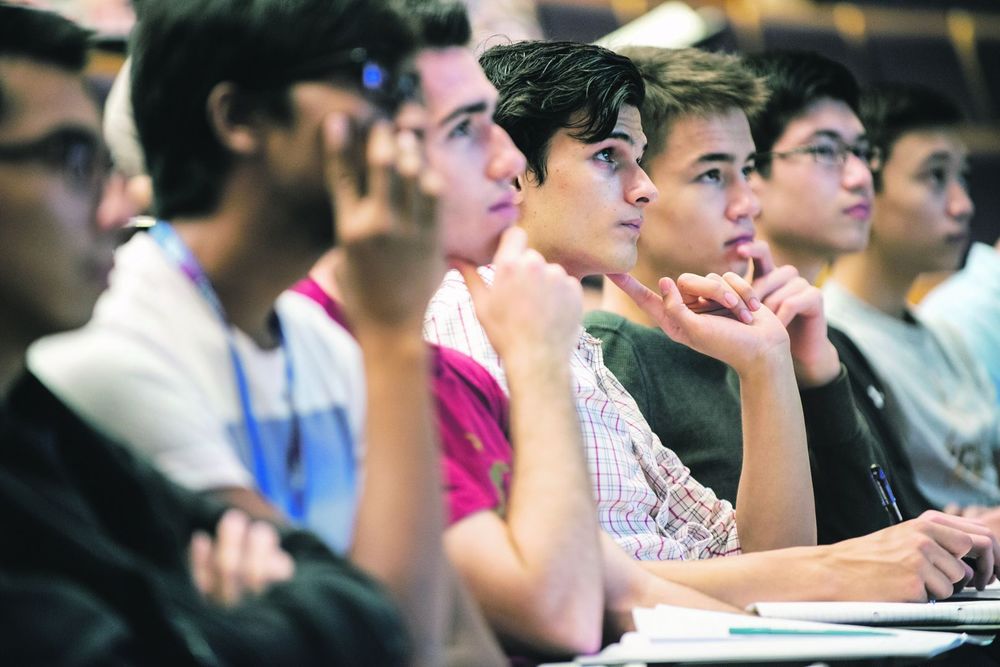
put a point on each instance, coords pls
(923, 210)
(54, 256)
(807, 203)
(474, 156)
(587, 213)
(706, 208)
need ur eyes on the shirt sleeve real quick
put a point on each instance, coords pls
(702, 522)
(841, 451)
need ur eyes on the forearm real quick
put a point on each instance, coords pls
(627, 584)
(797, 573)
(775, 498)
(551, 516)
(397, 537)
(841, 450)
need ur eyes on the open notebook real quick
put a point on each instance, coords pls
(980, 612)
(678, 634)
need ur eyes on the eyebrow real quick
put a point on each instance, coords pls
(718, 157)
(467, 110)
(621, 135)
(833, 134)
(945, 156)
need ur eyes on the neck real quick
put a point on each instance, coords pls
(809, 264)
(614, 300)
(324, 273)
(872, 278)
(246, 251)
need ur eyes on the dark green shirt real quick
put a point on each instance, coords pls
(692, 402)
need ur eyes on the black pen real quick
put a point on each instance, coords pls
(885, 494)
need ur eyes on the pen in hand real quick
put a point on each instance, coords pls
(885, 494)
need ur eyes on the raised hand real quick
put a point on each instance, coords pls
(245, 556)
(387, 230)
(533, 308)
(719, 316)
(799, 306)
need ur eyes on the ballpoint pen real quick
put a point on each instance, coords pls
(885, 494)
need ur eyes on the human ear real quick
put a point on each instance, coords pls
(230, 120)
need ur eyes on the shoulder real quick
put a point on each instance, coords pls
(456, 368)
(607, 326)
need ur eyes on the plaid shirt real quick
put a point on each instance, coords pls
(646, 498)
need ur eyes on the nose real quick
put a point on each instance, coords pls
(115, 206)
(505, 160)
(856, 174)
(960, 205)
(640, 190)
(743, 202)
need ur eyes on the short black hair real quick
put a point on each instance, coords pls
(442, 23)
(890, 110)
(795, 80)
(43, 37)
(543, 86)
(182, 49)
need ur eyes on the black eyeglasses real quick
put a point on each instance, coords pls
(78, 155)
(385, 89)
(831, 153)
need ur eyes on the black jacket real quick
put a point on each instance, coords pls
(93, 565)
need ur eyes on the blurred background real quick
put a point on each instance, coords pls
(950, 45)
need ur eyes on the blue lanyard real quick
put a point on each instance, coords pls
(178, 253)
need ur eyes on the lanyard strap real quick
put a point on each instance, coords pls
(177, 252)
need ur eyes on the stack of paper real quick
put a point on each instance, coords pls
(983, 612)
(678, 634)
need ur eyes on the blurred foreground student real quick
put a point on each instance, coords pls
(113, 564)
(262, 156)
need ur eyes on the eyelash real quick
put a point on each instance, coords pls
(463, 129)
(609, 156)
(716, 176)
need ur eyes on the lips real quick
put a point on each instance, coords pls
(739, 240)
(958, 238)
(860, 211)
(634, 224)
(505, 202)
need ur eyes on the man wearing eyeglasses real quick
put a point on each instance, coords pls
(266, 128)
(112, 563)
(813, 178)
(921, 223)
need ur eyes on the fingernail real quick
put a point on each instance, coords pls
(754, 303)
(731, 299)
(745, 316)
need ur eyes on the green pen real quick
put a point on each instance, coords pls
(804, 632)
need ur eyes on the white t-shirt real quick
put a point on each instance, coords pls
(950, 419)
(969, 303)
(153, 370)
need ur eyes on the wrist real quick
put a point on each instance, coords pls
(397, 344)
(535, 364)
(771, 362)
(819, 369)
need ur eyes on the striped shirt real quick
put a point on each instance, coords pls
(646, 498)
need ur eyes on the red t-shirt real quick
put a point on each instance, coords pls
(473, 416)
